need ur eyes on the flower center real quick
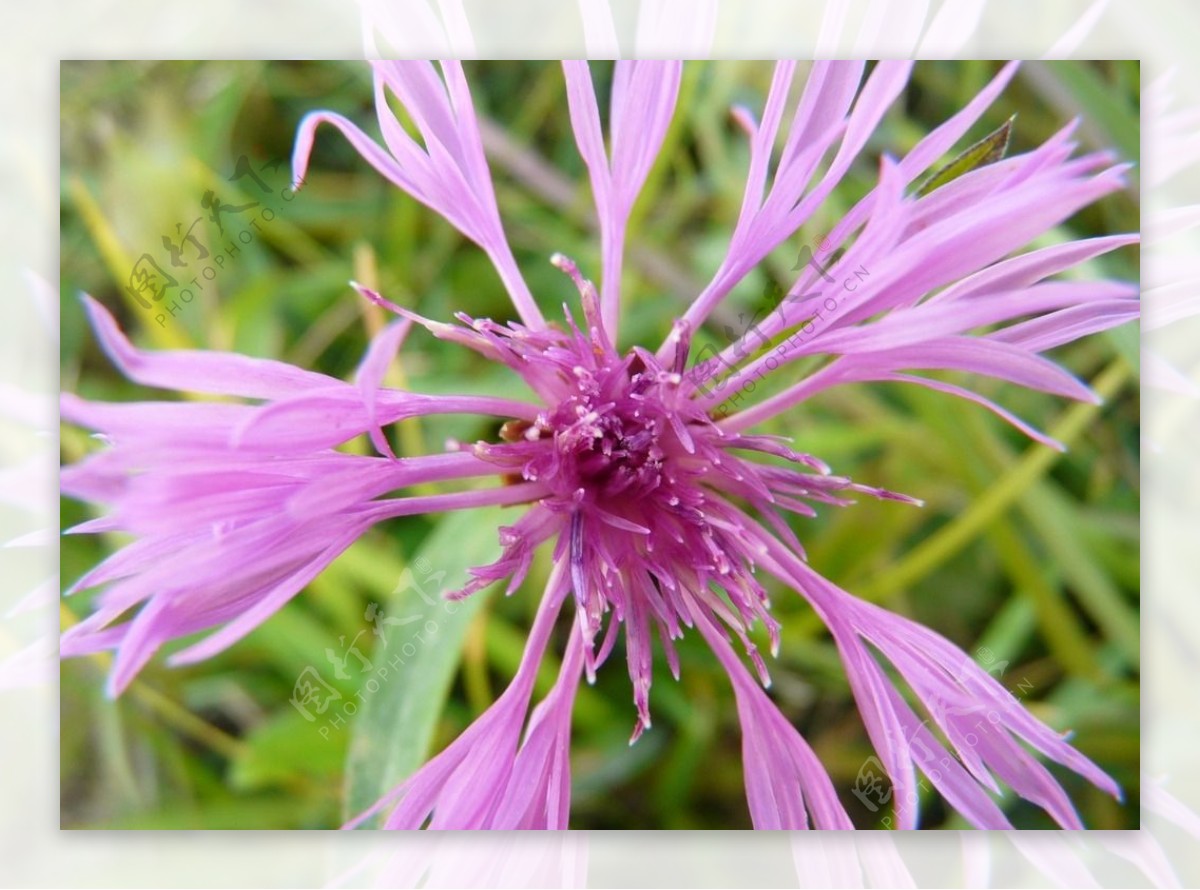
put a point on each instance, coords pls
(612, 443)
(615, 438)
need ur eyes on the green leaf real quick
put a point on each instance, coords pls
(1128, 342)
(397, 713)
(1083, 89)
(987, 150)
(285, 747)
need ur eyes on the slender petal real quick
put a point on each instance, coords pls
(984, 723)
(449, 174)
(644, 94)
(464, 786)
(784, 780)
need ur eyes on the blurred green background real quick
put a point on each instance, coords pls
(1028, 560)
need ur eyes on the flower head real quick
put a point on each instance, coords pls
(640, 467)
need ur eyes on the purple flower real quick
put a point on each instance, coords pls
(640, 468)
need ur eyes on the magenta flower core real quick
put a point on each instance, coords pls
(639, 468)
